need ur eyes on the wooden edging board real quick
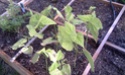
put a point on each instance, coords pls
(18, 67)
(114, 3)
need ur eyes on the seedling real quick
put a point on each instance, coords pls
(13, 21)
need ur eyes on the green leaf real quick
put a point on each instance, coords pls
(40, 36)
(67, 45)
(66, 69)
(79, 40)
(56, 72)
(54, 66)
(59, 55)
(36, 56)
(34, 19)
(76, 22)
(46, 11)
(48, 41)
(93, 24)
(66, 36)
(28, 50)
(68, 9)
(85, 18)
(19, 44)
(69, 15)
(32, 31)
(52, 55)
(46, 21)
(89, 58)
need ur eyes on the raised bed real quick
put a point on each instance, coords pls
(40, 68)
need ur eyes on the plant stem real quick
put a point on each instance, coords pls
(86, 43)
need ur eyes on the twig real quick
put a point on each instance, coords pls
(87, 69)
(32, 40)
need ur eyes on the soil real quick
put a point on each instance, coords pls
(109, 62)
(5, 69)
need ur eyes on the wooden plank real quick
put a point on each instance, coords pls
(114, 3)
(17, 66)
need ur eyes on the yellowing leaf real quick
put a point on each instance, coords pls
(19, 44)
(89, 58)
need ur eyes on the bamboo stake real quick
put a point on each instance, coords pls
(33, 39)
(87, 69)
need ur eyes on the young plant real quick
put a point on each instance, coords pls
(13, 21)
(66, 37)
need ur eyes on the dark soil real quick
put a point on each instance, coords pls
(109, 62)
(5, 69)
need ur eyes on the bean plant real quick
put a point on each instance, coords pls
(67, 37)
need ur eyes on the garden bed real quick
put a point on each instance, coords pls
(103, 11)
